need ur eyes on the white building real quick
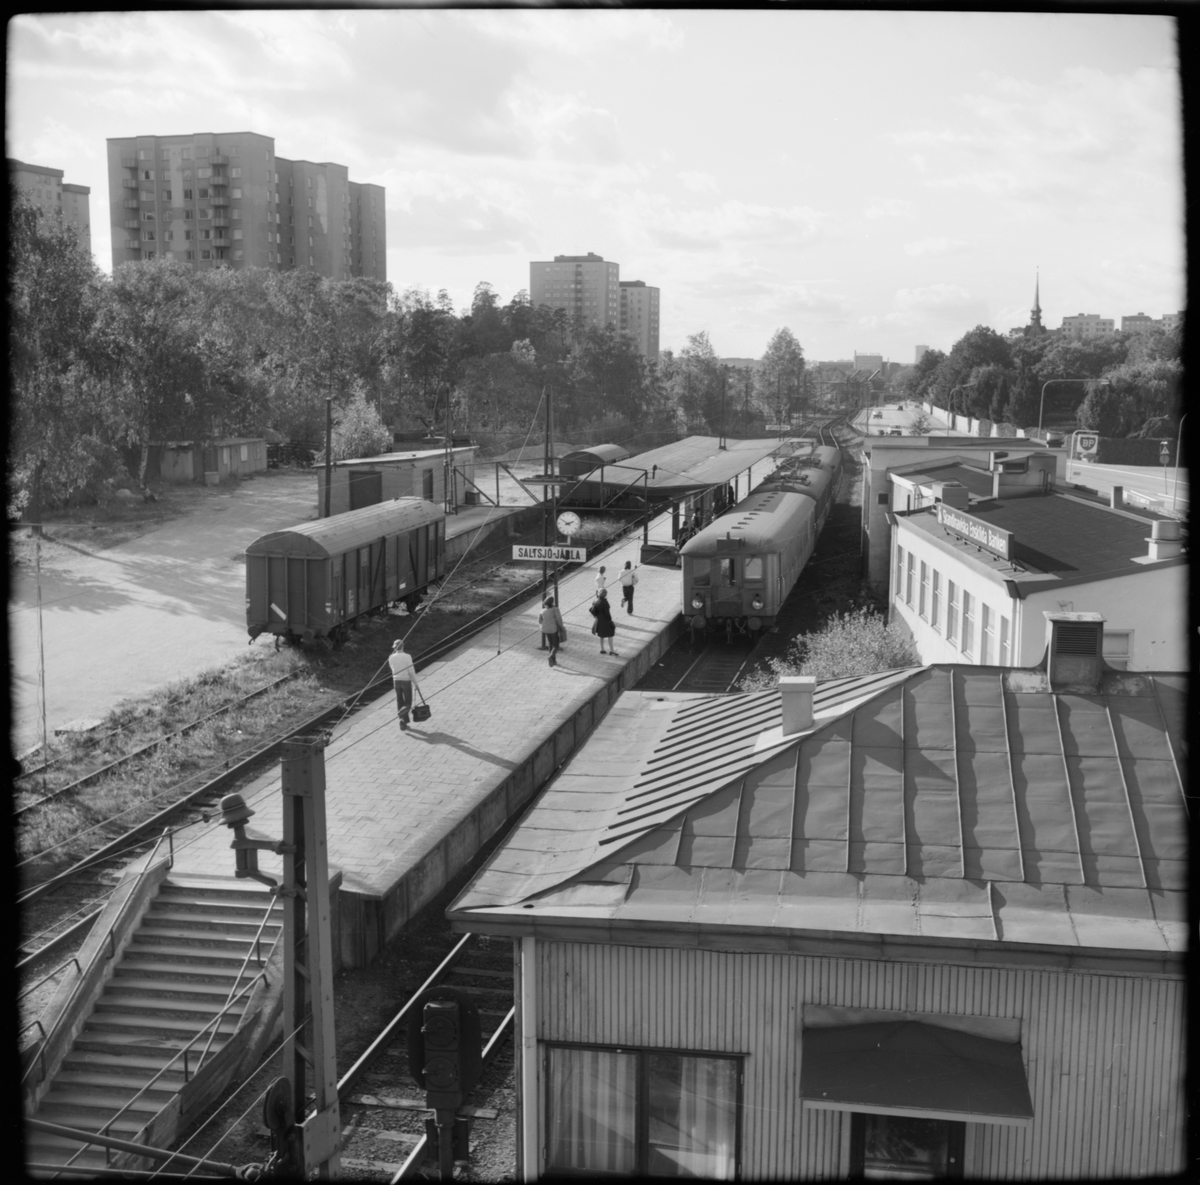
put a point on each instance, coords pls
(639, 316)
(46, 189)
(1087, 325)
(974, 574)
(585, 286)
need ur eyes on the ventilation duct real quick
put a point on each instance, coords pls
(1074, 651)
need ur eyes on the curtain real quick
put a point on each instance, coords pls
(592, 1110)
(692, 1116)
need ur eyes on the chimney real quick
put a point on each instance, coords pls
(796, 694)
(1074, 651)
(1117, 497)
(1166, 540)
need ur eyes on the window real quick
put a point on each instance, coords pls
(641, 1112)
(190, 255)
(1005, 644)
(166, 154)
(150, 254)
(935, 599)
(169, 236)
(310, 203)
(166, 195)
(235, 172)
(187, 195)
(910, 572)
(898, 591)
(189, 235)
(952, 613)
(206, 234)
(753, 569)
(147, 215)
(987, 634)
(968, 622)
(188, 215)
(237, 234)
(205, 213)
(904, 1147)
(728, 570)
(187, 154)
(237, 255)
(310, 240)
(146, 195)
(923, 594)
(202, 193)
(187, 174)
(310, 220)
(237, 193)
(145, 154)
(147, 174)
(881, 499)
(1118, 648)
(309, 183)
(148, 236)
(203, 172)
(205, 254)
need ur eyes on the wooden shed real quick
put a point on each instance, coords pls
(419, 473)
(924, 923)
(208, 460)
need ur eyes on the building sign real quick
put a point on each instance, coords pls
(976, 531)
(525, 552)
(1084, 446)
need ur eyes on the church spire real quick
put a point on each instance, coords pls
(1035, 319)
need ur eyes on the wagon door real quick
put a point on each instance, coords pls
(364, 579)
(405, 563)
(297, 593)
(277, 594)
(337, 597)
(420, 538)
(726, 593)
(256, 591)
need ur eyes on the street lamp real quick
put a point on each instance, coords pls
(1042, 401)
(960, 387)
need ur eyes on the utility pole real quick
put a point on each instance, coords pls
(721, 442)
(311, 1144)
(328, 450)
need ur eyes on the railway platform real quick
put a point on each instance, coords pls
(406, 811)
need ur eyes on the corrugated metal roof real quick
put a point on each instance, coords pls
(956, 801)
(336, 534)
(761, 520)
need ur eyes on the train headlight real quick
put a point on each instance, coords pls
(697, 602)
(755, 623)
(757, 603)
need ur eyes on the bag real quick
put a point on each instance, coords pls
(421, 711)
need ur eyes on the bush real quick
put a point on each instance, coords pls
(856, 643)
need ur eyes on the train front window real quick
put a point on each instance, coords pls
(700, 573)
(753, 569)
(728, 572)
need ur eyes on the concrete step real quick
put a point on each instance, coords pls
(185, 954)
(177, 987)
(226, 886)
(103, 1102)
(41, 1148)
(163, 1005)
(145, 968)
(187, 900)
(160, 915)
(469, 970)
(124, 1128)
(122, 1072)
(143, 1026)
(139, 1050)
(201, 939)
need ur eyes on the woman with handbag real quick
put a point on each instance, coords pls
(602, 623)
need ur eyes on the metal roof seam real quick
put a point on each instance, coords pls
(962, 840)
(1137, 843)
(1067, 779)
(1162, 715)
(1012, 778)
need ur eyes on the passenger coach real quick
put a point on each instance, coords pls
(739, 570)
(313, 580)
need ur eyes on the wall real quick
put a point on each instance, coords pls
(400, 479)
(1103, 1052)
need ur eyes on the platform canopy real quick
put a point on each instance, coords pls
(911, 1068)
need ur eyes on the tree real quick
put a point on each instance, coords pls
(1139, 395)
(859, 642)
(780, 374)
(920, 422)
(696, 382)
(979, 347)
(60, 442)
(358, 429)
(919, 381)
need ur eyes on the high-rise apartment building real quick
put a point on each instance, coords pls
(639, 316)
(1086, 326)
(228, 201)
(918, 353)
(46, 188)
(586, 286)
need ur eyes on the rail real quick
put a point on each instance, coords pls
(111, 951)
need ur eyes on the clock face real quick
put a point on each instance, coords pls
(568, 522)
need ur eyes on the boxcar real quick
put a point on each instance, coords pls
(739, 570)
(313, 580)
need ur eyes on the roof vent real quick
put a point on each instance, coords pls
(953, 493)
(796, 695)
(1166, 539)
(1074, 651)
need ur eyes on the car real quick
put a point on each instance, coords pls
(896, 432)
(877, 416)
(1054, 440)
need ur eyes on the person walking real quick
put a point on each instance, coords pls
(628, 580)
(603, 626)
(551, 623)
(601, 579)
(404, 679)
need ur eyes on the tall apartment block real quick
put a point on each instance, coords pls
(586, 286)
(228, 201)
(639, 316)
(46, 188)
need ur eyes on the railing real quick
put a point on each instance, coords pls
(111, 941)
(49, 975)
(234, 996)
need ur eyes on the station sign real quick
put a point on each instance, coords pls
(976, 531)
(523, 551)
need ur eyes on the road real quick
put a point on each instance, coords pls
(1156, 484)
(129, 619)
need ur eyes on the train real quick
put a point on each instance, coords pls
(741, 567)
(314, 580)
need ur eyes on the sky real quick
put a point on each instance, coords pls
(869, 180)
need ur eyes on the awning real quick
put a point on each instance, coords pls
(909, 1068)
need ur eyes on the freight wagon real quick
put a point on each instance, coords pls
(315, 579)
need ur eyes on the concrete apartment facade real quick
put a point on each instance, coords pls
(227, 200)
(45, 188)
(1087, 325)
(585, 286)
(639, 316)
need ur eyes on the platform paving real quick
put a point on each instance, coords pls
(405, 811)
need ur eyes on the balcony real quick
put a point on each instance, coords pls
(220, 220)
(132, 224)
(133, 245)
(220, 241)
(218, 179)
(130, 203)
(218, 160)
(129, 162)
(220, 201)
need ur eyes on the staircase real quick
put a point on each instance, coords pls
(172, 980)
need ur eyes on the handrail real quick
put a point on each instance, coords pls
(120, 916)
(50, 975)
(255, 948)
(214, 1024)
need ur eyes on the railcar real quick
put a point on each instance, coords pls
(817, 473)
(738, 571)
(313, 580)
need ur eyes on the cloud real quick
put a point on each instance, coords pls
(732, 222)
(698, 182)
(935, 296)
(934, 246)
(889, 208)
(579, 32)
